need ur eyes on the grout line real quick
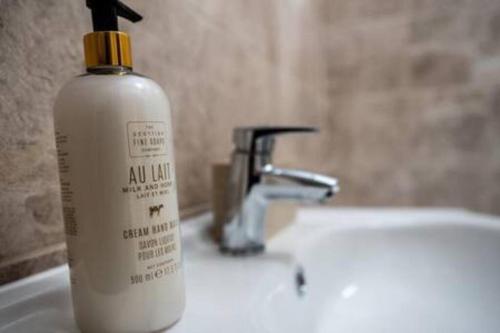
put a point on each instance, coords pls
(194, 210)
(61, 246)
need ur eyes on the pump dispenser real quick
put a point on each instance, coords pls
(118, 187)
(107, 46)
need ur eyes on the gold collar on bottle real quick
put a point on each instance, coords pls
(107, 48)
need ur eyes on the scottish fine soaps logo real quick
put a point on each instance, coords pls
(147, 138)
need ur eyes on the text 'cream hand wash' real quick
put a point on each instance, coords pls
(117, 174)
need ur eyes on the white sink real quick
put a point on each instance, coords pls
(399, 271)
(366, 270)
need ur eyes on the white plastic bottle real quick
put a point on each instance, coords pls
(117, 174)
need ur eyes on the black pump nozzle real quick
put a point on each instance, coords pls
(105, 14)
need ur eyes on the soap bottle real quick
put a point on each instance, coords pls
(118, 187)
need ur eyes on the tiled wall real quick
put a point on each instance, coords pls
(406, 92)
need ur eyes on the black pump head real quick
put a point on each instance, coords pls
(105, 14)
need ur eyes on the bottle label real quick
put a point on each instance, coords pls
(120, 211)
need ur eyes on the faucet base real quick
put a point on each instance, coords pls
(245, 251)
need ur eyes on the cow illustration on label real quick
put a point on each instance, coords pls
(155, 209)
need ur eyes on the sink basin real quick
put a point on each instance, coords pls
(399, 271)
(332, 270)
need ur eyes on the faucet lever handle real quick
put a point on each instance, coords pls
(260, 139)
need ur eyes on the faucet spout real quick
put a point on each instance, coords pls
(313, 187)
(245, 232)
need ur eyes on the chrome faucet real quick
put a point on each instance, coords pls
(254, 182)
